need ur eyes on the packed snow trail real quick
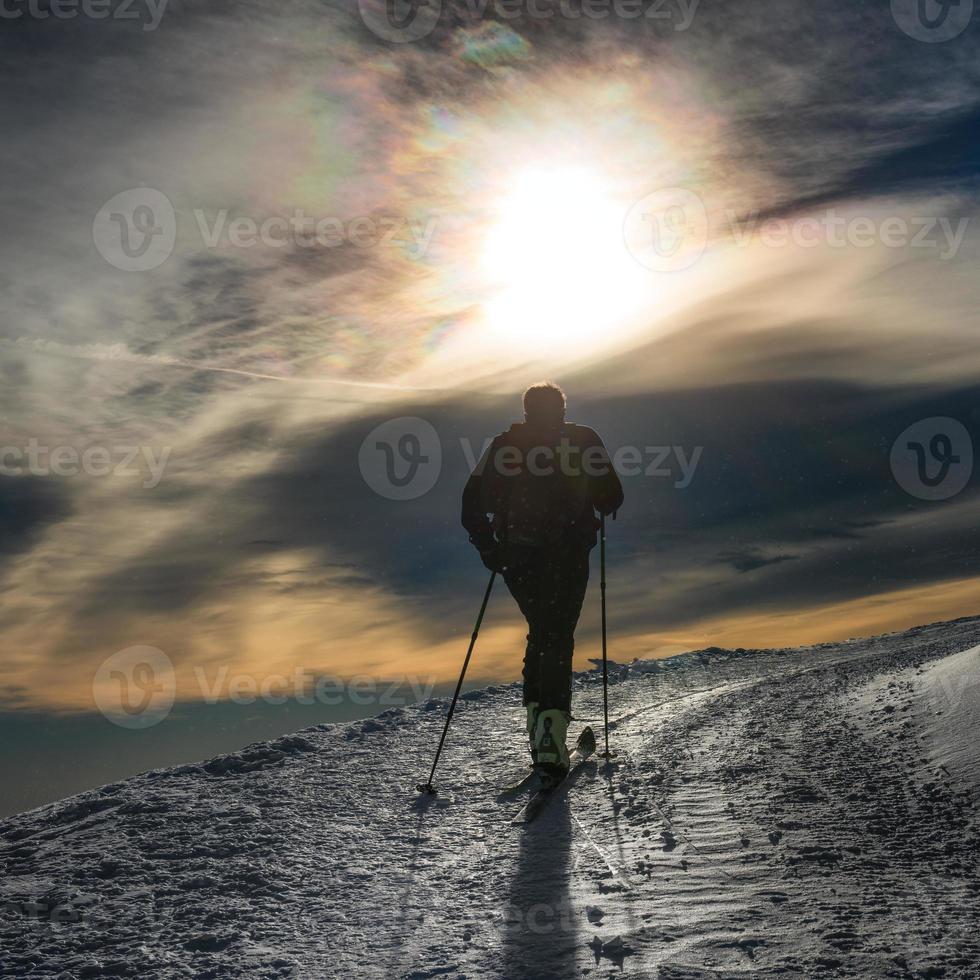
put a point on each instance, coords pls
(798, 813)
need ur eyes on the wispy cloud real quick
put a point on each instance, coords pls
(261, 369)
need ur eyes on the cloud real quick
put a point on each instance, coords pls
(28, 505)
(750, 559)
(263, 369)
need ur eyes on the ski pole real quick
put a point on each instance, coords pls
(427, 786)
(602, 593)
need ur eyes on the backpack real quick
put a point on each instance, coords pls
(535, 500)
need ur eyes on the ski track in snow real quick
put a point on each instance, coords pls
(770, 813)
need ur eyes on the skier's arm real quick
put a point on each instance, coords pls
(604, 485)
(474, 516)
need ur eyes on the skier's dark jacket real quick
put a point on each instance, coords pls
(542, 487)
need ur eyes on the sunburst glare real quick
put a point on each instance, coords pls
(555, 261)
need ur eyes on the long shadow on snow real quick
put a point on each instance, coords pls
(540, 926)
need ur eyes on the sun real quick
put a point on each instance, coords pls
(555, 261)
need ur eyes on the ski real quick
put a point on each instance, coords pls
(525, 782)
(584, 748)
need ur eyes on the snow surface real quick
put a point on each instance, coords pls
(950, 696)
(800, 813)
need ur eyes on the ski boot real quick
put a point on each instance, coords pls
(532, 719)
(550, 753)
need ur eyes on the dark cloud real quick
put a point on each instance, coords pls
(28, 505)
(750, 559)
(864, 525)
(793, 485)
(944, 159)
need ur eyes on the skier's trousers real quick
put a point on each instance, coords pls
(549, 585)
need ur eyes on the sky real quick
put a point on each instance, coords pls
(248, 245)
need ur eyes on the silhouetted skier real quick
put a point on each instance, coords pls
(529, 508)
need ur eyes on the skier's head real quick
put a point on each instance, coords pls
(544, 404)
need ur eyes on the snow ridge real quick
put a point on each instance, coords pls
(807, 812)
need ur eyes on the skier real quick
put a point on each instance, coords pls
(530, 509)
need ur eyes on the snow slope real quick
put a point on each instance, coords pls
(799, 813)
(950, 697)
